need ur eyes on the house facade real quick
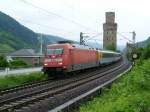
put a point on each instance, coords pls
(28, 56)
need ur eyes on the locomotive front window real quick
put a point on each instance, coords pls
(54, 51)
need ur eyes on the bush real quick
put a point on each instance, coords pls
(14, 80)
(130, 94)
(18, 64)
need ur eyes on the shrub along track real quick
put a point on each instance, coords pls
(45, 96)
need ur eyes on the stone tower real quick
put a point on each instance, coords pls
(110, 32)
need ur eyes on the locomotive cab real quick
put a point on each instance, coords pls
(56, 59)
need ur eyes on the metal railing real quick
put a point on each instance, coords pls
(8, 71)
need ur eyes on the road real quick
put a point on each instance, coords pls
(19, 71)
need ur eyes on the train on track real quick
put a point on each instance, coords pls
(66, 58)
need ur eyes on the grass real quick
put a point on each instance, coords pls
(14, 80)
(131, 93)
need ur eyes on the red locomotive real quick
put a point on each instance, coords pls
(69, 57)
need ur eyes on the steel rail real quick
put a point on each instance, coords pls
(48, 92)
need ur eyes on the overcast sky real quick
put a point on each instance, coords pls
(67, 18)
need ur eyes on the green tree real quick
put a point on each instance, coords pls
(143, 53)
(111, 46)
(146, 52)
(3, 62)
(139, 51)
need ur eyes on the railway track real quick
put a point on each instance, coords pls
(21, 98)
(23, 86)
(38, 83)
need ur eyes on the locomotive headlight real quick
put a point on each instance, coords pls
(45, 64)
(60, 63)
